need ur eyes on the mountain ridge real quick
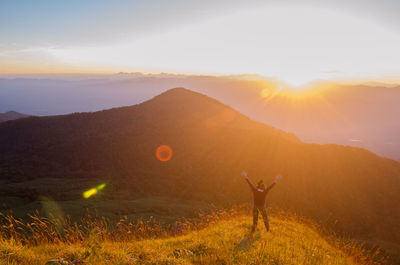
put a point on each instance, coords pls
(337, 114)
(11, 115)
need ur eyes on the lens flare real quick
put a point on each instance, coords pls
(164, 153)
(53, 212)
(265, 93)
(101, 186)
(89, 193)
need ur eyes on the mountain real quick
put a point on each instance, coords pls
(11, 115)
(363, 115)
(360, 115)
(351, 189)
(357, 115)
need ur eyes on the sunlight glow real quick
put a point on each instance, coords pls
(266, 93)
(296, 45)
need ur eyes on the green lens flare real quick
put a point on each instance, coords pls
(89, 193)
(101, 186)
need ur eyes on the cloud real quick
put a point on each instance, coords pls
(70, 23)
(294, 44)
(331, 72)
(157, 35)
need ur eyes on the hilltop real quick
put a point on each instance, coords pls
(11, 115)
(225, 241)
(351, 190)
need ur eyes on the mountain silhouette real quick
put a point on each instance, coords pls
(11, 115)
(350, 188)
(362, 115)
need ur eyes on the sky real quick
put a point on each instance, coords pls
(296, 41)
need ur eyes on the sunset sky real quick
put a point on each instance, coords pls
(294, 41)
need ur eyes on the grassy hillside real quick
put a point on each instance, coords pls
(225, 240)
(59, 157)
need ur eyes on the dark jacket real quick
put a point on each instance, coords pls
(259, 194)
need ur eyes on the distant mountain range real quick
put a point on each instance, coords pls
(11, 115)
(351, 188)
(362, 115)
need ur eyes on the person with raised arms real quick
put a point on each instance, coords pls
(259, 198)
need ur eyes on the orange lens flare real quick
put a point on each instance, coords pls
(164, 153)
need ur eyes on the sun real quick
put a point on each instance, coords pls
(295, 91)
(298, 84)
(298, 81)
(298, 87)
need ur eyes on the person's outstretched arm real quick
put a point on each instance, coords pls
(273, 183)
(270, 186)
(250, 184)
(248, 181)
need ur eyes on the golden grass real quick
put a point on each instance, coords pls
(221, 238)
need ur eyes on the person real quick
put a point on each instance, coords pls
(259, 196)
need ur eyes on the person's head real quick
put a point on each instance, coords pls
(260, 185)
